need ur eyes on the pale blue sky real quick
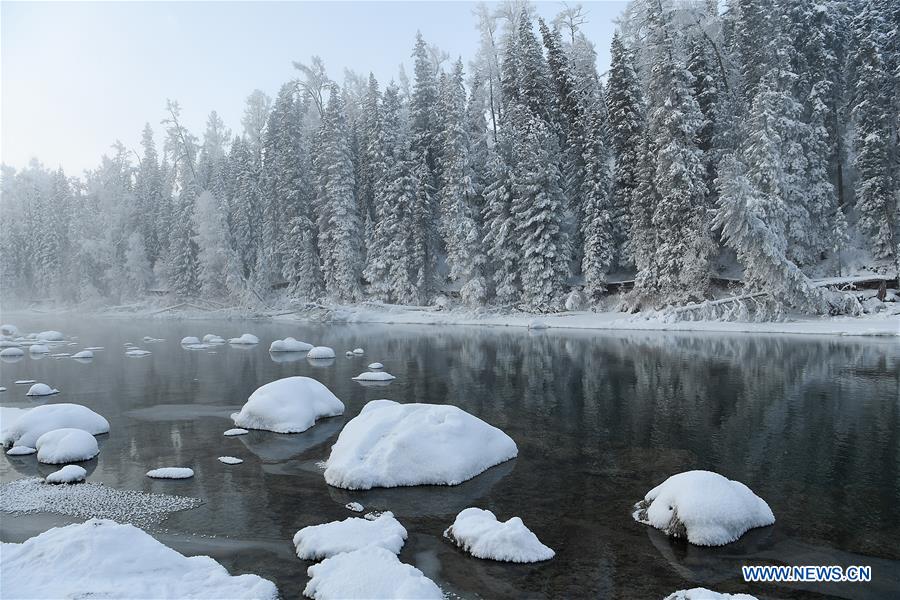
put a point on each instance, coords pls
(76, 76)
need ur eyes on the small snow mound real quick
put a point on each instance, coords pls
(320, 352)
(289, 405)
(289, 344)
(2, 389)
(9, 329)
(103, 559)
(11, 352)
(358, 351)
(348, 354)
(705, 594)
(21, 451)
(171, 473)
(354, 506)
(376, 365)
(68, 474)
(137, 353)
(230, 460)
(66, 445)
(39, 349)
(83, 354)
(189, 340)
(479, 533)
(41, 389)
(236, 431)
(247, 338)
(50, 336)
(321, 541)
(370, 572)
(26, 429)
(704, 507)
(374, 376)
(211, 338)
(537, 324)
(390, 444)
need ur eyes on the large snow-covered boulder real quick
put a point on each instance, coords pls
(320, 353)
(103, 559)
(41, 389)
(289, 344)
(289, 405)
(390, 444)
(321, 541)
(704, 507)
(479, 533)
(705, 594)
(245, 339)
(68, 474)
(12, 352)
(369, 572)
(374, 376)
(27, 428)
(66, 445)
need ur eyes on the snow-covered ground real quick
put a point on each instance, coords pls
(104, 559)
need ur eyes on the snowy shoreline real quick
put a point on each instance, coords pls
(883, 325)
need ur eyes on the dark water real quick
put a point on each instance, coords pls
(811, 424)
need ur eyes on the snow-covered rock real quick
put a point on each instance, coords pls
(65, 446)
(27, 428)
(289, 344)
(374, 376)
(200, 346)
(321, 541)
(170, 473)
(2, 389)
(189, 340)
(230, 460)
(349, 353)
(289, 405)
(704, 507)
(68, 474)
(479, 533)
(21, 451)
(537, 324)
(354, 506)
(247, 338)
(84, 354)
(9, 329)
(137, 353)
(358, 351)
(8, 344)
(705, 594)
(24, 381)
(320, 352)
(390, 444)
(103, 559)
(41, 389)
(211, 338)
(376, 365)
(369, 572)
(235, 431)
(39, 349)
(12, 352)
(50, 336)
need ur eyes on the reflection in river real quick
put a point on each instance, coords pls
(811, 424)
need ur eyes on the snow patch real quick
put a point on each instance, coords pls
(230, 460)
(68, 474)
(390, 444)
(479, 533)
(20, 451)
(66, 445)
(289, 405)
(705, 594)
(236, 431)
(374, 376)
(370, 572)
(171, 473)
(322, 541)
(137, 353)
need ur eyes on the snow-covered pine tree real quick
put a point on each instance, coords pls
(148, 196)
(597, 225)
(340, 227)
(501, 243)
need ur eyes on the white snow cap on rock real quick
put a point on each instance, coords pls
(390, 444)
(39, 349)
(137, 352)
(374, 376)
(20, 451)
(321, 541)
(235, 431)
(289, 405)
(50, 336)
(358, 351)
(103, 559)
(41, 389)
(171, 473)
(376, 365)
(8, 329)
(10, 352)
(247, 338)
(211, 338)
(65, 446)
(26, 429)
(83, 354)
(319, 352)
(189, 340)
(230, 460)
(708, 509)
(367, 573)
(354, 506)
(68, 474)
(479, 533)
(289, 344)
(537, 324)
(705, 594)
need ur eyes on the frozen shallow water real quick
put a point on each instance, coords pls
(808, 423)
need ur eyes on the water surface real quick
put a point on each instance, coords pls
(811, 424)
